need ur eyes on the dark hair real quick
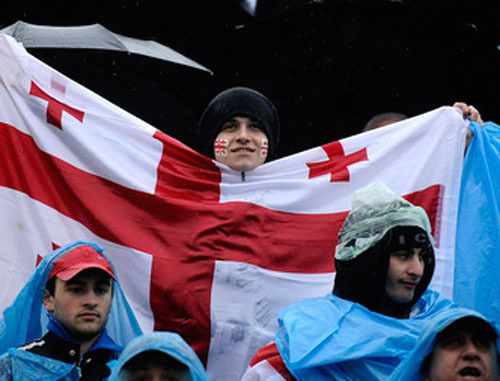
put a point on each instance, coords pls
(51, 286)
(425, 369)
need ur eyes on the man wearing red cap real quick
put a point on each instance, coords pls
(78, 296)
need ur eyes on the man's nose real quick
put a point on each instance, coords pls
(90, 299)
(416, 266)
(470, 350)
(243, 134)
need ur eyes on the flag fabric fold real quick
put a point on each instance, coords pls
(199, 251)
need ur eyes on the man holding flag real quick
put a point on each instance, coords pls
(199, 251)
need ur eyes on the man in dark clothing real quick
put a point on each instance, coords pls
(239, 128)
(78, 296)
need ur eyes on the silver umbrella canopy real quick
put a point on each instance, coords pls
(93, 36)
(151, 81)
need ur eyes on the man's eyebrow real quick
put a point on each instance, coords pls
(75, 280)
(104, 280)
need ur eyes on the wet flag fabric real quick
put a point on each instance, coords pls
(199, 249)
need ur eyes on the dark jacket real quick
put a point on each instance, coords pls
(56, 356)
(92, 365)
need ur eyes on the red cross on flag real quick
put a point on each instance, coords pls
(198, 251)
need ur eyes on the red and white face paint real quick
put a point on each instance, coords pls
(264, 147)
(220, 147)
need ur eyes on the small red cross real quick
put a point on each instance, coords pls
(337, 162)
(55, 108)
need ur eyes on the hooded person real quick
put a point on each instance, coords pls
(239, 128)
(456, 343)
(369, 323)
(68, 321)
(165, 353)
(379, 224)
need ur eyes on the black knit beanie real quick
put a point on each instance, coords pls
(238, 101)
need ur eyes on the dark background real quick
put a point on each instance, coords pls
(327, 65)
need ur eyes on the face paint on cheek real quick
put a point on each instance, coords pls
(220, 147)
(264, 147)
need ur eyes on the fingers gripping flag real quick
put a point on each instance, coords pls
(199, 252)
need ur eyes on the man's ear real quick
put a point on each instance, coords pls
(48, 301)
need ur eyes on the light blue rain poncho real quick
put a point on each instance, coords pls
(330, 338)
(409, 369)
(169, 343)
(25, 320)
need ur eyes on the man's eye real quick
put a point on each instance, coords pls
(424, 256)
(76, 290)
(402, 254)
(101, 291)
(454, 341)
(256, 126)
(228, 127)
(482, 342)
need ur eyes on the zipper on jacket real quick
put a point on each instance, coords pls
(243, 176)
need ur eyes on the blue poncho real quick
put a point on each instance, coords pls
(167, 342)
(331, 338)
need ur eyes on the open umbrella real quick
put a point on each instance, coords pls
(150, 80)
(93, 36)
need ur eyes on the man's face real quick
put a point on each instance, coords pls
(406, 268)
(464, 356)
(82, 304)
(241, 144)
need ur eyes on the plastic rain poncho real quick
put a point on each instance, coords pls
(331, 338)
(25, 320)
(167, 342)
(375, 210)
(409, 369)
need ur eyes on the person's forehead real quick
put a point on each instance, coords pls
(415, 250)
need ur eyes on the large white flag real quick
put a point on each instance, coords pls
(199, 251)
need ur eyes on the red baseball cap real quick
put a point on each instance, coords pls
(78, 259)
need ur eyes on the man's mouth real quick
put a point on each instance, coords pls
(409, 284)
(470, 371)
(89, 315)
(242, 150)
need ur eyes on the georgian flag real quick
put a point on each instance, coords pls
(198, 249)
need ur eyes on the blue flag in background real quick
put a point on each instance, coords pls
(477, 257)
